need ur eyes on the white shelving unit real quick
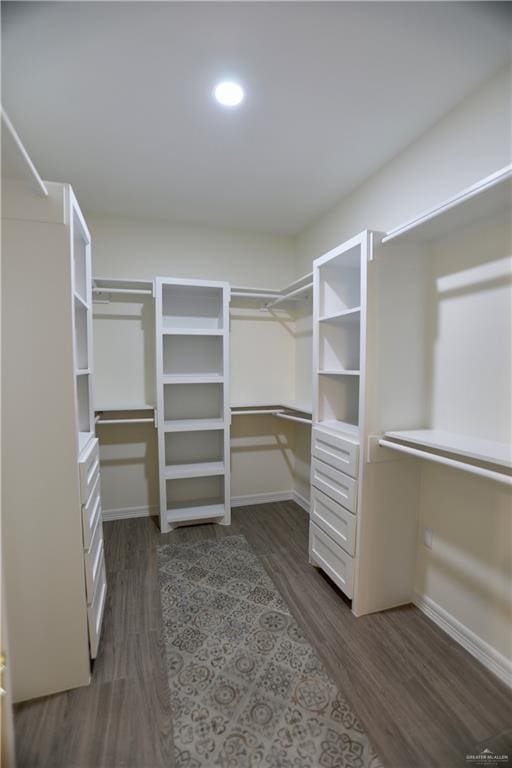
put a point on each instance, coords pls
(339, 323)
(339, 294)
(193, 415)
(53, 538)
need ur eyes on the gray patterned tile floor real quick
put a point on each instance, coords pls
(247, 688)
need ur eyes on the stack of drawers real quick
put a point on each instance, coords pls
(94, 559)
(332, 533)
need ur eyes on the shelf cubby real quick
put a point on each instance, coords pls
(193, 498)
(338, 346)
(80, 259)
(81, 337)
(340, 284)
(192, 307)
(192, 355)
(188, 448)
(83, 397)
(197, 401)
(338, 399)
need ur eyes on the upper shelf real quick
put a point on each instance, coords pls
(489, 451)
(489, 195)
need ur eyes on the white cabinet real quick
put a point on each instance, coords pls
(193, 405)
(53, 540)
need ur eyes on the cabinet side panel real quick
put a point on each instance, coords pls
(42, 531)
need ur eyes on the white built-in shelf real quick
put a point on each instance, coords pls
(332, 372)
(490, 194)
(341, 318)
(345, 427)
(192, 331)
(192, 378)
(488, 451)
(80, 300)
(192, 513)
(129, 407)
(82, 372)
(195, 469)
(192, 425)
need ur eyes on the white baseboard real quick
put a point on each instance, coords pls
(480, 649)
(260, 498)
(302, 501)
(126, 512)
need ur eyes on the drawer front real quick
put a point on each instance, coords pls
(89, 470)
(93, 559)
(336, 451)
(335, 520)
(331, 558)
(96, 609)
(91, 512)
(334, 484)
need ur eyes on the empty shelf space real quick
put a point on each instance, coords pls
(489, 451)
(193, 378)
(194, 469)
(191, 306)
(338, 373)
(192, 425)
(192, 331)
(196, 512)
(340, 318)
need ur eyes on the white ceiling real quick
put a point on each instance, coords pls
(116, 98)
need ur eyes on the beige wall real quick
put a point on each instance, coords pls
(468, 571)
(471, 141)
(262, 351)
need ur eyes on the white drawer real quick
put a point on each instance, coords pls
(89, 466)
(91, 511)
(337, 451)
(325, 553)
(93, 559)
(96, 609)
(334, 519)
(337, 485)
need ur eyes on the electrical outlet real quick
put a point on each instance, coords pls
(427, 537)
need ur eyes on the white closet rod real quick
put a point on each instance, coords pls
(291, 295)
(145, 291)
(462, 465)
(279, 413)
(293, 418)
(251, 412)
(124, 421)
(255, 295)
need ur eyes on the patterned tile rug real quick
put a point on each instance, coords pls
(248, 690)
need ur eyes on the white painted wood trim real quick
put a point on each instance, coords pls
(302, 501)
(125, 513)
(37, 182)
(261, 498)
(480, 649)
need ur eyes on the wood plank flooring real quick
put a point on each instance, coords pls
(424, 701)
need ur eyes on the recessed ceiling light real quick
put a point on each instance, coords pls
(229, 93)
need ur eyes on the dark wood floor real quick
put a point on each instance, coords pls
(424, 701)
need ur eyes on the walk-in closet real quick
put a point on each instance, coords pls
(256, 410)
